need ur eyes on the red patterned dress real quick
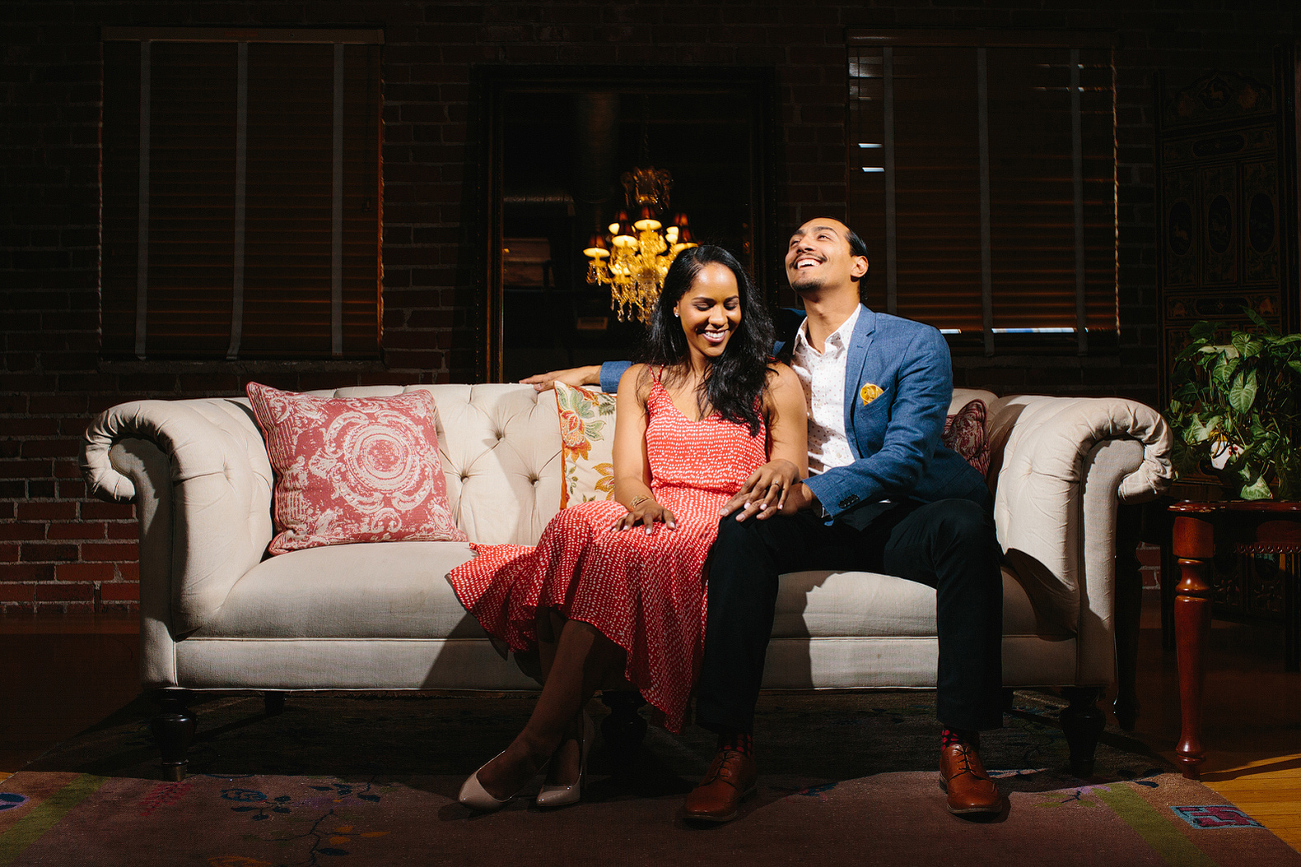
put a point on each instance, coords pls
(646, 593)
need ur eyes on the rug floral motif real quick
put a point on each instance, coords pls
(373, 780)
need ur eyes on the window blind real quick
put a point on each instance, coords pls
(241, 195)
(982, 176)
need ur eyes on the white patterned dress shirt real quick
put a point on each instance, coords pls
(823, 376)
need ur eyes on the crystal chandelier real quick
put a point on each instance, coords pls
(634, 257)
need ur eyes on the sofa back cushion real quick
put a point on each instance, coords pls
(500, 446)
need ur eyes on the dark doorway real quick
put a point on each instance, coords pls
(559, 144)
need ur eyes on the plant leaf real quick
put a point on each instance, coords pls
(1257, 490)
(1225, 366)
(1243, 393)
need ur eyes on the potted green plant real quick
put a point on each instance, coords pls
(1234, 409)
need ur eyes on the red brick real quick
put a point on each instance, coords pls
(72, 489)
(99, 552)
(48, 404)
(123, 530)
(40, 489)
(26, 469)
(39, 552)
(62, 511)
(67, 469)
(119, 592)
(56, 448)
(75, 530)
(17, 592)
(64, 592)
(84, 572)
(101, 511)
(1148, 555)
(28, 572)
(26, 427)
(22, 531)
(8, 553)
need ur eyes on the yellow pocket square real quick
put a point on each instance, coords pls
(869, 393)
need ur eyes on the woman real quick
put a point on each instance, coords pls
(614, 591)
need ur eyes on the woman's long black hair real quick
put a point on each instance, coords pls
(736, 380)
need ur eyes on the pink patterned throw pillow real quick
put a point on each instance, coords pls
(360, 469)
(964, 432)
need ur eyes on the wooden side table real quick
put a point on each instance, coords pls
(1200, 530)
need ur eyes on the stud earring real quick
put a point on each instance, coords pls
(676, 314)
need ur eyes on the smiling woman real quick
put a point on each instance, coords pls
(613, 594)
(710, 311)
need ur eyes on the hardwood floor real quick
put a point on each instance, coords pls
(1251, 725)
(58, 677)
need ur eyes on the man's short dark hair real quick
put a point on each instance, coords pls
(856, 245)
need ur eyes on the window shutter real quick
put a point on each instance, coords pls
(982, 177)
(256, 231)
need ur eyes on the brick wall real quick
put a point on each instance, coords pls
(60, 551)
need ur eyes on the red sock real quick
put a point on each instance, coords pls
(738, 742)
(970, 737)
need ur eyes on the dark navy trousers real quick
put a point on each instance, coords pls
(949, 545)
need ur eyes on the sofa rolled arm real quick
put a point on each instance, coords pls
(1052, 435)
(220, 493)
(1043, 454)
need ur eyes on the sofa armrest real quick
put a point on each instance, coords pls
(215, 498)
(1061, 467)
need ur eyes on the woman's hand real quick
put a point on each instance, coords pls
(765, 492)
(645, 510)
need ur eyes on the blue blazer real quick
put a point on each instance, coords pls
(898, 386)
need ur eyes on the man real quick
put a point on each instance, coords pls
(884, 495)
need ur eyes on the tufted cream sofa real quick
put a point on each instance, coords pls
(217, 614)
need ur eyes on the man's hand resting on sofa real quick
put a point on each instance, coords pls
(589, 375)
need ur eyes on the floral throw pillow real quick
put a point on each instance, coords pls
(586, 444)
(964, 432)
(361, 469)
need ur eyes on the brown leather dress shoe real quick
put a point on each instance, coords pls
(729, 781)
(964, 778)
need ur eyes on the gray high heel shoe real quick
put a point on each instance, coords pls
(570, 793)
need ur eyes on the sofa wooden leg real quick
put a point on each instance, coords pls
(624, 729)
(274, 702)
(1082, 722)
(173, 728)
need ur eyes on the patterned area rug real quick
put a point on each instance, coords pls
(341, 779)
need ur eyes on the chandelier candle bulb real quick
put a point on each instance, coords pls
(633, 259)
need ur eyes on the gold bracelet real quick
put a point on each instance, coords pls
(643, 498)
